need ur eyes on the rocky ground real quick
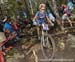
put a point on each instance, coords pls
(29, 50)
(65, 51)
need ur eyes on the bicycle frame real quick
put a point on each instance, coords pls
(45, 43)
(43, 35)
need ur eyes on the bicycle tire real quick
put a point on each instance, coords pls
(44, 50)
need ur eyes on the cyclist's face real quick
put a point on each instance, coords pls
(42, 10)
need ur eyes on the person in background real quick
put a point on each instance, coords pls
(65, 16)
(70, 5)
(8, 26)
(10, 35)
(52, 18)
(16, 27)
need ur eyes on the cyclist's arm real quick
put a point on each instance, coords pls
(34, 19)
(36, 15)
(49, 21)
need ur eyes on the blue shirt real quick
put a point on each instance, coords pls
(41, 16)
(8, 26)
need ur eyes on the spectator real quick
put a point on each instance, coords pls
(70, 5)
(65, 16)
(52, 18)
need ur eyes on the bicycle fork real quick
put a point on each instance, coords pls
(44, 39)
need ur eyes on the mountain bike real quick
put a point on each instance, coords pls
(47, 43)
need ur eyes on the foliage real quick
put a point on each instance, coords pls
(13, 7)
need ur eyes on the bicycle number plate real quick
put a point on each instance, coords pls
(45, 26)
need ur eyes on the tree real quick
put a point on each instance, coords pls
(55, 7)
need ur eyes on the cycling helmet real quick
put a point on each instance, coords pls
(42, 6)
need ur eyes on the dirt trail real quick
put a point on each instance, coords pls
(64, 50)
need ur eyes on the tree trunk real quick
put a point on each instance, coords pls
(55, 8)
(26, 8)
(56, 12)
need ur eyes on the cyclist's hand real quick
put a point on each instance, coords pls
(34, 22)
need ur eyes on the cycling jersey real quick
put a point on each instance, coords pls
(41, 17)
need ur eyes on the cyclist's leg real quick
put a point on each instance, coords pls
(38, 31)
(62, 22)
(40, 22)
(69, 21)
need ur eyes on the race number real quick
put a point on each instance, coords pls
(45, 26)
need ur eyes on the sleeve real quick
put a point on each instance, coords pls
(37, 14)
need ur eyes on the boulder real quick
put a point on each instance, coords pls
(2, 37)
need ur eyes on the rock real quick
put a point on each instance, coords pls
(12, 60)
(16, 55)
(72, 46)
(61, 45)
(22, 56)
(2, 37)
(71, 40)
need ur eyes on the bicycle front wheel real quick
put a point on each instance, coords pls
(47, 47)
